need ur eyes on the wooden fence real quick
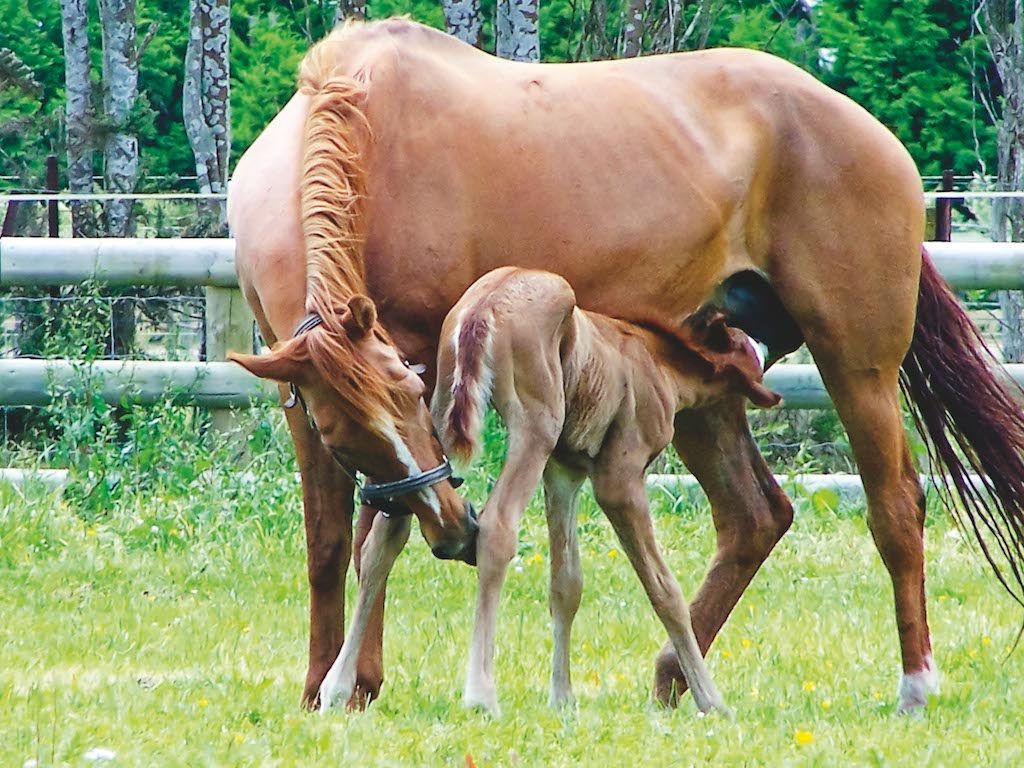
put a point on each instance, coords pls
(210, 262)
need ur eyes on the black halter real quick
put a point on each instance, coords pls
(380, 495)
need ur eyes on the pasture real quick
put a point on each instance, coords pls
(169, 627)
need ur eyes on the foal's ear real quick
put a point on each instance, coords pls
(710, 329)
(289, 363)
(360, 317)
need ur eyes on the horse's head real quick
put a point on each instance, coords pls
(367, 405)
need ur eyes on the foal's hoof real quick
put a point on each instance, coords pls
(485, 703)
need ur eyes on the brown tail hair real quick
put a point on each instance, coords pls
(973, 424)
(463, 419)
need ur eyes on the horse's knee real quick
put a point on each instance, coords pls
(496, 542)
(327, 561)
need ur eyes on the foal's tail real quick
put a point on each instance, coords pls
(973, 424)
(465, 361)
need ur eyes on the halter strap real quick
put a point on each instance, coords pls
(379, 495)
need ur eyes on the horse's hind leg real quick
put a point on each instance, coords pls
(561, 489)
(859, 323)
(868, 405)
(751, 513)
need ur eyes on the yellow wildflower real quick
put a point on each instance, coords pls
(803, 738)
(726, 653)
(613, 553)
(203, 703)
(826, 703)
(986, 640)
(810, 687)
(239, 738)
(537, 558)
(745, 643)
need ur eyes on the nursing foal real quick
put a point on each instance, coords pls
(582, 395)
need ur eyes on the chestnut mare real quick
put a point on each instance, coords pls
(582, 395)
(409, 164)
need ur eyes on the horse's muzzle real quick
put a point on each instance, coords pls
(464, 550)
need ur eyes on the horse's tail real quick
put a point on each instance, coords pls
(464, 406)
(973, 423)
(333, 187)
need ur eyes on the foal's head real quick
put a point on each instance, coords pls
(728, 359)
(367, 405)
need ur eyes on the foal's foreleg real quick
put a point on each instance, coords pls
(382, 546)
(625, 504)
(561, 489)
(750, 511)
(496, 546)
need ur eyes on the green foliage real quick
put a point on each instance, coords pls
(912, 64)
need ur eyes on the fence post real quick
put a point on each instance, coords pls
(944, 210)
(229, 326)
(52, 180)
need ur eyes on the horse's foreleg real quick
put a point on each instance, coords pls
(327, 509)
(385, 541)
(751, 513)
(868, 405)
(624, 501)
(561, 488)
(496, 546)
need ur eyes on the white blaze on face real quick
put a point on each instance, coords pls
(405, 458)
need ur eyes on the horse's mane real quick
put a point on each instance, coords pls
(333, 197)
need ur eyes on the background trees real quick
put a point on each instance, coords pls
(921, 66)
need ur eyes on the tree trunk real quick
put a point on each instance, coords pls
(517, 34)
(349, 9)
(78, 90)
(205, 104)
(462, 20)
(121, 147)
(632, 39)
(1004, 26)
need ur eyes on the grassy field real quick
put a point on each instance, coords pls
(172, 630)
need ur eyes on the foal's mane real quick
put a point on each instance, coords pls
(333, 199)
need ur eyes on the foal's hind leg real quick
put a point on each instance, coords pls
(561, 490)
(496, 546)
(750, 511)
(624, 500)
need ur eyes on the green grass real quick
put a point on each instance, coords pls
(172, 631)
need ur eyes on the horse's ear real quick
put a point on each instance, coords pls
(360, 317)
(289, 363)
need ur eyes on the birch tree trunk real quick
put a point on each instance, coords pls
(205, 104)
(121, 147)
(78, 125)
(349, 9)
(462, 20)
(518, 37)
(1003, 22)
(632, 40)
(120, 91)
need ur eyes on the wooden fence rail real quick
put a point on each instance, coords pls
(210, 262)
(226, 385)
(35, 261)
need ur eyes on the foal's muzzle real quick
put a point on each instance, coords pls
(464, 550)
